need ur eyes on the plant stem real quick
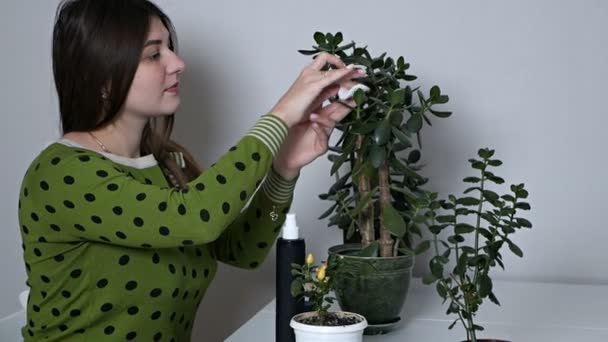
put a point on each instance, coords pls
(366, 217)
(386, 241)
(479, 211)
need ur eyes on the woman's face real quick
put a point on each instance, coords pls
(155, 89)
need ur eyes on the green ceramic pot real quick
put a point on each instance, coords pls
(375, 288)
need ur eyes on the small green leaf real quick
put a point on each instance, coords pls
(319, 38)
(445, 219)
(422, 247)
(456, 239)
(463, 228)
(296, 287)
(485, 285)
(414, 157)
(521, 193)
(478, 165)
(522, 206)
(472, 180)
(468, 201)
(523, 222)
(516, 250)
(328, 212)
(402, 137)
(453, 324)
(494, 162)
(491, 195)
(338, 38)
(435, 92)
(493, 298)
(359, 97)
(393, 221)
(485, 153)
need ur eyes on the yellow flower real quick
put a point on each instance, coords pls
(310, 259)
(321, 272)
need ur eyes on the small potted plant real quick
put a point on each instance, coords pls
(375, 197)
(313, 283)
(474, 244)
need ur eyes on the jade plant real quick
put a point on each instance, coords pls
(478, 226)
(381, 145)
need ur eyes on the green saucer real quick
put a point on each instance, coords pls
(381, 329)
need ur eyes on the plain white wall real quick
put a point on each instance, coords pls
(524, 77)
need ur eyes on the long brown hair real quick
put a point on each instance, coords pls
(99, 43)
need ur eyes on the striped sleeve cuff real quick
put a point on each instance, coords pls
(277, 188)
(271, 130)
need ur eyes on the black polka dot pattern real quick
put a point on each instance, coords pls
(152, 236)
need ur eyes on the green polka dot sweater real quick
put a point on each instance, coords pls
(113, 253)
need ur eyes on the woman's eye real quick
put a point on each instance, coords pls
(155, 56)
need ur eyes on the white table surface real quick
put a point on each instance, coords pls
(546, 312)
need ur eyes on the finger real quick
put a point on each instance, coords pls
(322, 135)
(323, 58)
(335, 76)
(337, 111)
(327, 93)
(327, 123)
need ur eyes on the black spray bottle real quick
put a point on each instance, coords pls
(290, 249)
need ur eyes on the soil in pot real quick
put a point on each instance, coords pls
(331, 320)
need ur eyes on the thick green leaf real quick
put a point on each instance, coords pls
(328, 212)
(414, 157)
(396, 118)
(393, 221)
(377, 155)
(463, 228)
(440, 114)
(453, 324)
(359, 97)
(382, 133)
(341, 159)
(340, 183)
(472, 189)
(402, 137)
(308, 52)
(408, 96)
(461, 265)
(522, 205)
(472, 180)
(414, 123)
(319, 38)
(338, 38)
(397, 97)
(442, 99)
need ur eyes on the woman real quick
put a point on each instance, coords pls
(121, 228)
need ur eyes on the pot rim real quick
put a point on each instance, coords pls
(340, 329)
(355, 246)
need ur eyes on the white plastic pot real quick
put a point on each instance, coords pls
(315, 333)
